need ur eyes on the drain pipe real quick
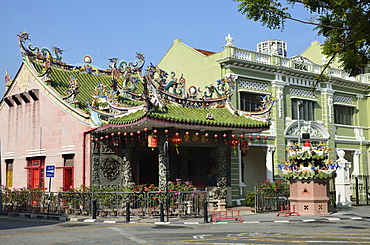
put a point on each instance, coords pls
(84, 154)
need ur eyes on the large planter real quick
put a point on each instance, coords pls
(309, 196)
(309, 170)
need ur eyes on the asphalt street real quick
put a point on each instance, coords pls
(340, 227)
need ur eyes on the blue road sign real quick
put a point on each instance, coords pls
(50, 171)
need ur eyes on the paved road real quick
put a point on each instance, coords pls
(36, 231)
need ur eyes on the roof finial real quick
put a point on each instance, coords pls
(229, 40)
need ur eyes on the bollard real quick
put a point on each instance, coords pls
(128, 211)
(205, 212)
(161, 212)
(94, 209)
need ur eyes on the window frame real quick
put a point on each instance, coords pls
(306, 111)
(344, 118)
(246, 104)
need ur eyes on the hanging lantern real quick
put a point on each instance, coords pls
(216, 136)
(146, 131)
(187, 136)
(138, 135)
(152, 141)
(234, 142)
(132, 137)
(206, 135)
(166, 132)
(119, 137)
(176, 140)
(125, 134)
(195, 137)
(225, 136)
(244, 147)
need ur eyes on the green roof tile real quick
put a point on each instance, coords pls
(180, 114)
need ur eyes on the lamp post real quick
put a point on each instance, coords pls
(299, 106)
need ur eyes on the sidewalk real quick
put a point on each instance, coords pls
(357, 212)
(246, 213)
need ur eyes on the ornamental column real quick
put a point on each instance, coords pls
(127, 179)
(278, 126)
(163, 164)
(270, 162)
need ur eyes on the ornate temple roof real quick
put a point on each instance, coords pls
(128, 94)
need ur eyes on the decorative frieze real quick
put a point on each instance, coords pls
(302, 92)
(343, 99)
(253, 85)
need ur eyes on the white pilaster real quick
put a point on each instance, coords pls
(270, 162)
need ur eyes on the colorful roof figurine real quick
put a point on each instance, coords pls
(127, 94)
(308, 162)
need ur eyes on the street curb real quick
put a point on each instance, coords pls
(89, 220)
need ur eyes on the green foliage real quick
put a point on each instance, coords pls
(345, 24)
(269, 188)
(249, 199)
(308, 175)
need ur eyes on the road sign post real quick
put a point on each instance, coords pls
(49, 173)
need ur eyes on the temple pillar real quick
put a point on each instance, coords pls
(127, 179)
(163, 165)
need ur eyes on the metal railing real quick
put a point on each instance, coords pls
(267, 200)
(114, 204)
(360, 189)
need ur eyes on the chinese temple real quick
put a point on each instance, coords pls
(128, 124)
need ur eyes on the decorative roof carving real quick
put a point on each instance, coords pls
(126, 92)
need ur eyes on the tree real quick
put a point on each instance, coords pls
(344, 23)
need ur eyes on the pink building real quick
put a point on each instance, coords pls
(39, 129)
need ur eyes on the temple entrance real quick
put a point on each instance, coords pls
(195, 164)
(149, 169)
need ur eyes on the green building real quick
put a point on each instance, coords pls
(330, 112)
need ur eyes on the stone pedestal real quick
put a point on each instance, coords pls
(309, 197)
(221, 205)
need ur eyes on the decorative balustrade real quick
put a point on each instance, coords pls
(247, 55)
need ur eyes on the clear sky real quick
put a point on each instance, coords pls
(120, 28)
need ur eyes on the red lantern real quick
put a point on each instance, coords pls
(146, 132)
(234, 142)
(152, 141)
(176, 140)
(187, 136)
(244, 145)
